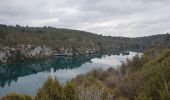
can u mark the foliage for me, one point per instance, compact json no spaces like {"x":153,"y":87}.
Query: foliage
{"x":57,"y":37}
{"x":70,"y":92}
{"x":94,"y":93}
{"x":150,"y":77}
{"x":88,"y":88}
{"x":14,"y":96}
{"x":51,"y":90}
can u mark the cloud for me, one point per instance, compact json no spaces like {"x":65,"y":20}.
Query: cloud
{"x":108,"y":17}
{"x":41,"y":22}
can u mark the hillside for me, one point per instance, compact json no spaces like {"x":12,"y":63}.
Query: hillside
{"x":21,"y":43}
{"x":56,"y":38}
{"x":11,"y":35}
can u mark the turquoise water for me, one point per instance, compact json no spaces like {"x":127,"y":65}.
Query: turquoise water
{"x":26,"y":77}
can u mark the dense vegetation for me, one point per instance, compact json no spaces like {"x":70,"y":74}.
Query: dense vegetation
{"x":145,"y":77}
{"x":56,"y":38}
{"x":10,"y":35}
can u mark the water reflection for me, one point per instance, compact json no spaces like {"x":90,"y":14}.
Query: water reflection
{"x":11,"y":72}
{"x":26,"y":77}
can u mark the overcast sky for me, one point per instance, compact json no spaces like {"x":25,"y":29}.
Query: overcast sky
{"x":108,"y":17}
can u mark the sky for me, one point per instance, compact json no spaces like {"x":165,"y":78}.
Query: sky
{"x":131,"y":18}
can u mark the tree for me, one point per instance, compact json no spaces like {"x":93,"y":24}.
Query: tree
{"x":17,"y":25}
{"x":51,"y":90}
{"x":70,"y":91}
{"x":3,"y":33}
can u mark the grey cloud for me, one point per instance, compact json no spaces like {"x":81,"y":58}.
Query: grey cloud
{"x":107,"y":17}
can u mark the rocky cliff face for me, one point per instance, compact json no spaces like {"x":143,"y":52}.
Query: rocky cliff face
{"x":22,"y":52}
{"x":77,"y":51}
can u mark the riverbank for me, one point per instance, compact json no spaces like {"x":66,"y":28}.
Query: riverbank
{"x":33,"y":73}
{"x":25,"y":52}
{"x":144,"y":77}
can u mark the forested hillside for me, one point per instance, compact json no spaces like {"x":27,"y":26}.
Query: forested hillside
{"x":21,"y":43}
{"x":11,"y":35}
{"x":56,"y":38}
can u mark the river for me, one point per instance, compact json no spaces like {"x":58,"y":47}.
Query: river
{"x":26,"y":77}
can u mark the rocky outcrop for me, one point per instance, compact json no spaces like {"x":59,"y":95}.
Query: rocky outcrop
{"x":36,"y":51}
{"x":3,"y":57}
{"x":22,"y":52}
{"x":76,"y":51}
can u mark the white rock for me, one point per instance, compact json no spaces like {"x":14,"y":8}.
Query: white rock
{"x":3,"y":57}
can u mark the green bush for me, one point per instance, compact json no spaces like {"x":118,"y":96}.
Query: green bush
{"x":70,"y":91}
{"x":14,"y":96}
{"x":51,"y":90}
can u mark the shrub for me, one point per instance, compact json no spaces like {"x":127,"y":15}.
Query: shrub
{"x":70,"y":91}
{"x":51,"y":90}
{"x":14,"y":96}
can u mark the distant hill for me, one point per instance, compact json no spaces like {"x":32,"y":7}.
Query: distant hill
{"x":56,"y":37}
